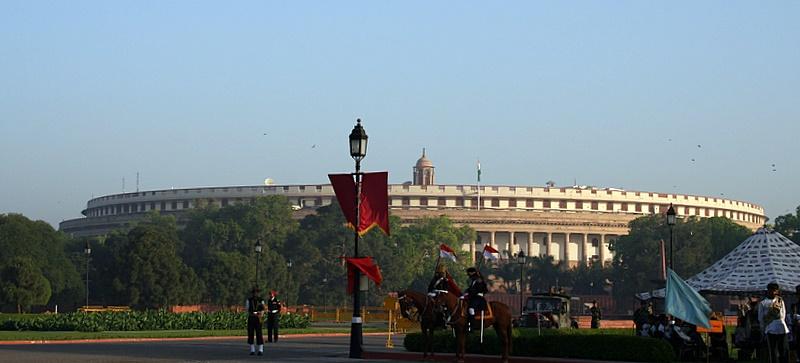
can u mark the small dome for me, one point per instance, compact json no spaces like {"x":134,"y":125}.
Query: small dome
{"x":424,"y":162}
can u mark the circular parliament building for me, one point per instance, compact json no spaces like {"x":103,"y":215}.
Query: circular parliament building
{"x":571,"y":224}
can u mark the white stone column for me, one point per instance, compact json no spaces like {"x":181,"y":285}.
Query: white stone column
{"x":584,"y":247}
{"x":472,"y":248}
{"x":566,"y":249}
{"x":601,"y":251}
{"x":547,"y":244}
{"x":529,"y":244}
{"x":491,"y":240}
{"x":510,"y":244}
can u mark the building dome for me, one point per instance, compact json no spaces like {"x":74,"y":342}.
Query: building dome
{"x":423,"y":161}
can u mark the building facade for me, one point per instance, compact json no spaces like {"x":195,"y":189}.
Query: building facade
{"x":571,"y":224}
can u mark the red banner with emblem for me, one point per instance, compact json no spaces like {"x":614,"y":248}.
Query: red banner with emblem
{"x":374,"y":206}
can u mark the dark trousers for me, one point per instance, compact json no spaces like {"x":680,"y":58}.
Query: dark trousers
{"x":273,"y":321}
{"x":254,"y":326}
{"x":778,"y":346}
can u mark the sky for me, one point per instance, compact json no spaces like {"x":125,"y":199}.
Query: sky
{"x":675,"y":96}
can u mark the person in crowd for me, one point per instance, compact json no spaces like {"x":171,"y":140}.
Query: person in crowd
{"x":254,"y":305}
{"x":772,"y":319}
{"x":597,"y":314}
{"x":273,"y":316}
{"x":474,"y":295}
{"x":641,"y":316}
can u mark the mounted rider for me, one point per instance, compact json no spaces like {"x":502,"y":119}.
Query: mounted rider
{"x":439,"y":281}
{"x":474,"y":295}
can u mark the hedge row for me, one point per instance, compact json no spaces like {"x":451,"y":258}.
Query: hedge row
{"x":556,"y":343}
{"x":142,"y":320}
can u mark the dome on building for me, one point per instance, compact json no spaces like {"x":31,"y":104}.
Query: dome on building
{"x":423,"y":161}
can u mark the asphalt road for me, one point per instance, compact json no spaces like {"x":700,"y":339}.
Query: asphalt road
{"x":288,"y":349}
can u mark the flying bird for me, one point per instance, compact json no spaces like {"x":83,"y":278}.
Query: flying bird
{"x":698,"y":145}
{"x":314,"y":146}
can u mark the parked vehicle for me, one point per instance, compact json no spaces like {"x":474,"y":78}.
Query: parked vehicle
{"x":546,"y":310}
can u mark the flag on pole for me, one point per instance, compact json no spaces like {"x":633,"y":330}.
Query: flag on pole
{"x":447,"y":252}
{"x":685,"y":303}
{"x":367,"y":266}
{"x":489,"y":252}
{"x":374,"y":206}
{"x":479,"y":170}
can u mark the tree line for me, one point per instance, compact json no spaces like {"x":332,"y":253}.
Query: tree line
{"x":209,"y":257}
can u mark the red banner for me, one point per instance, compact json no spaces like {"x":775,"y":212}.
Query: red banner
{"x":367,"y":267}
{"x":374,"y":207}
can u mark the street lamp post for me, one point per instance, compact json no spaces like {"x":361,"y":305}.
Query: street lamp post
{"x":87,"y":251}
{"x":671,"y":223}
{"x":289,"y":265}
{"x":521,"y":259}
{"x":258,"y":259}
{"x":358,"y":150}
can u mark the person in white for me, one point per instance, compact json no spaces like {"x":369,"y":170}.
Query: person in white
{"x":772,"y":318}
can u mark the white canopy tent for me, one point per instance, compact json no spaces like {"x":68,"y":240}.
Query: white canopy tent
{"x":766,"y":256}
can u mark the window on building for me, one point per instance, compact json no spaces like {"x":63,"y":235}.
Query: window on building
{"x":495,"y":202}
{"x":562,"y":204}
{"x":406,"y":201}
{"x":423,"y":201}
{"x":163,"y":206}
{"x":512,"y":203}
{"x":529,"y":203}
{"x":546,"y":203}
{"x":624,"y":207}
{"x":610,"y":206}
{"x":459,"y":202}
{"x":224,"y":202}
{"x":594,"y":206}
{"x":174,"y":205}
{"x":579,"y":205}
{"x":595,"y":242}
{"x":442,"y":201}
{"x":638,"y":207}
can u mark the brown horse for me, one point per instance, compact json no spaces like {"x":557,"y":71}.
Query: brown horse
{"x":420,"y":307}
{"x":500,"y":320}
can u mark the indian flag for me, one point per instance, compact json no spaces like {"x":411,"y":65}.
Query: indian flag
{"x":447,"y":252}
{"x":489,"y":252}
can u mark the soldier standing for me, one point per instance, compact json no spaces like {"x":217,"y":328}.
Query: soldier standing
{"x":597,"y":314}
{"x":273,"y":316}
{"x":255,"y":310}
{"x":477,"y":287}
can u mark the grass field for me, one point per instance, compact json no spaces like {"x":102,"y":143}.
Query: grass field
{"x":75,"y":335}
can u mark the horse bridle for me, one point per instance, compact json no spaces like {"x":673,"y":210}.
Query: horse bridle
{"x":416,"y":315}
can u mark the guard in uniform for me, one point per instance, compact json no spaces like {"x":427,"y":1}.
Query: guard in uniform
{"x":273,"y":316}
{"x":475,"y":290}
{"x":439,"y":281}
{"x":255,"y":310}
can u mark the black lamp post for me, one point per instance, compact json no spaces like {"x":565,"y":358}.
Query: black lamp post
{"x":258,"y":259}
{"x":358,"y":150}
{"x":87,"y":251}
{"x":671,"y":223}
{"x":521,"y":259}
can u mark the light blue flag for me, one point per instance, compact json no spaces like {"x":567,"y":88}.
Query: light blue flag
{"x":685,"y":303}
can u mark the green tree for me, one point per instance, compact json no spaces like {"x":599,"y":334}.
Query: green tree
{"x":789,"y":225}
{"x":23,"y":284}
{"x":228,"y":235}
{"x":45,"y":248}
{"x":148,"y":271}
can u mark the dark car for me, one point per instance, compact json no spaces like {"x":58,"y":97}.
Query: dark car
{"x":546,"y":310}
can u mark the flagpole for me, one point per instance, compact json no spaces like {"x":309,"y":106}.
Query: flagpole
{"x":479,"y":185}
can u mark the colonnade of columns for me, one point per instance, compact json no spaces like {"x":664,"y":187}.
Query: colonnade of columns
{"x":572,"y":247}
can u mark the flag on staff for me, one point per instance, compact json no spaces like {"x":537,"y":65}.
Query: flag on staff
{"x":489,"y":252}
{"x":368,"y":268}
{"x":447,"y":252}
{"x":685,"y":303}
{"x":479,"y":170}
{"x":374,"y":206}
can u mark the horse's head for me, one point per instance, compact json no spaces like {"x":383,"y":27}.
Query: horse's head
{"x":408,"y":307}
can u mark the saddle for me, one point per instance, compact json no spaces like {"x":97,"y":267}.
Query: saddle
{"x":487,"y":314}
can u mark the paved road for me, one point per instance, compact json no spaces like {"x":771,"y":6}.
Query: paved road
{"x":289,"y":349}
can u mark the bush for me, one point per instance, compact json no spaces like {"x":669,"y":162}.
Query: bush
{"x":600,"y":344}
{"x":142,"y":320}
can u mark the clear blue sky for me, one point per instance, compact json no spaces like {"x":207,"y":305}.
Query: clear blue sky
{"x":613,"y":94}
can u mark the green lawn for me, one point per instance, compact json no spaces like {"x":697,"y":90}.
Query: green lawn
{"x":75,"y":335}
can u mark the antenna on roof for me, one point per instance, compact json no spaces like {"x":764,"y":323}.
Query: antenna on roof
{"x":137,"y":181}
{"x":123,"y":184}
